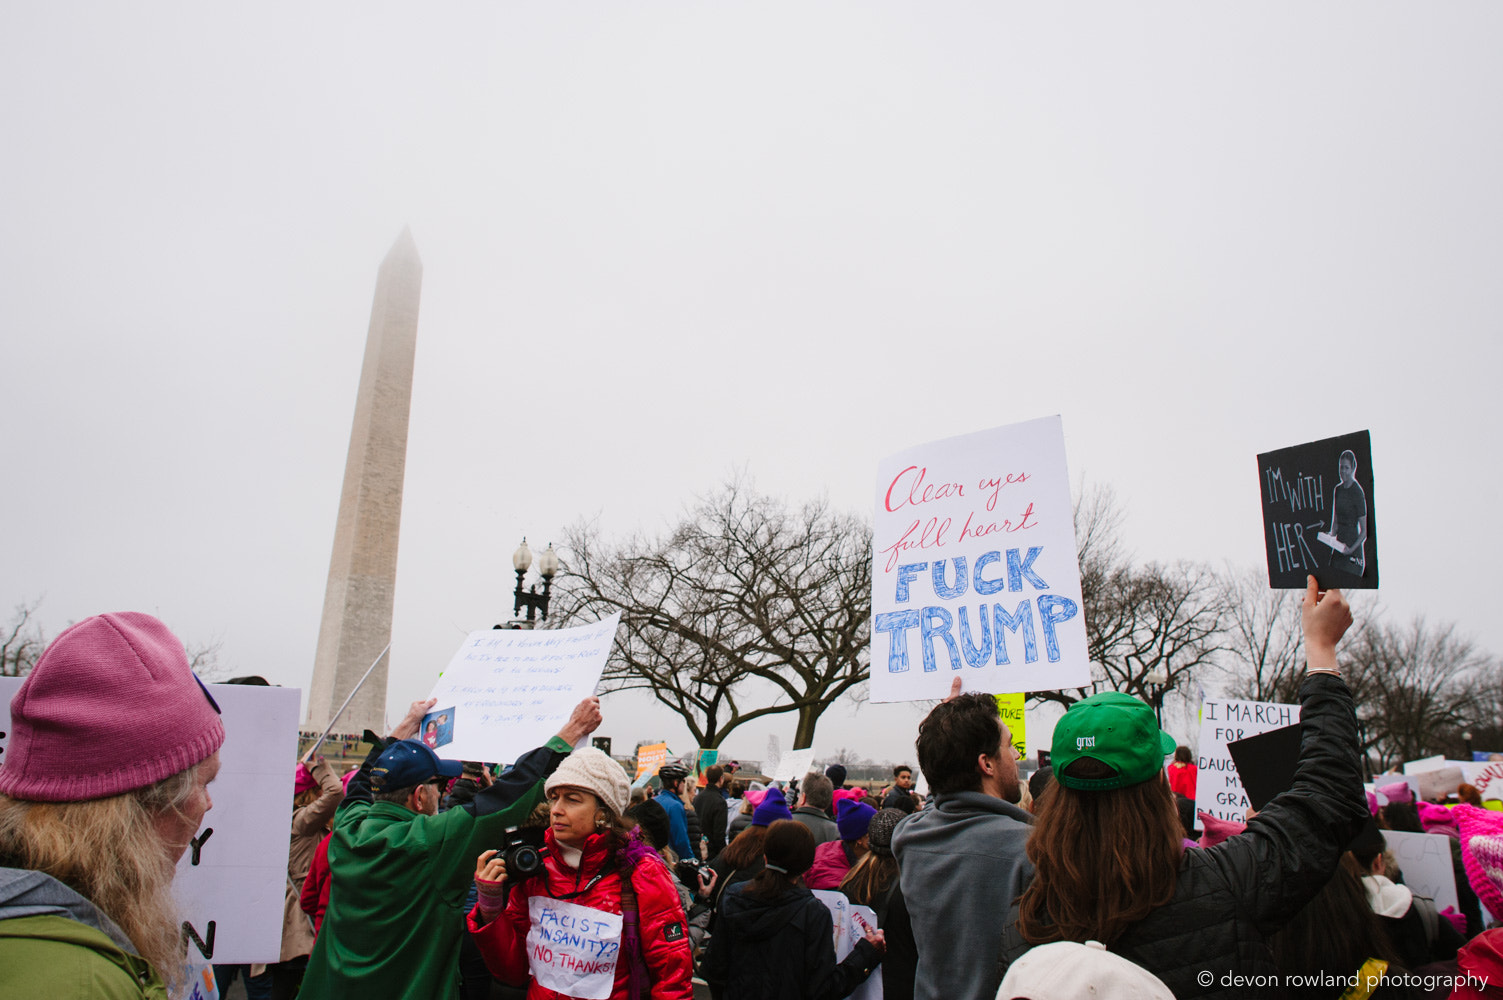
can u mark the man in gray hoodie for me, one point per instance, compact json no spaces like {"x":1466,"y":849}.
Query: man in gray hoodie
{"x":961,"y":861}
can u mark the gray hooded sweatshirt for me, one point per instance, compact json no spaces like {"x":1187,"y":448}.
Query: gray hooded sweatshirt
{"x":961,"y":865}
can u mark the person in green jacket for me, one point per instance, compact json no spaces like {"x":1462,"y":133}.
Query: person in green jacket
{"x":401,"y":870}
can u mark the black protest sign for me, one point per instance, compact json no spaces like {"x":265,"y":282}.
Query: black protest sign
{"x":1318,"y":516}
{"x":1266,"y":764}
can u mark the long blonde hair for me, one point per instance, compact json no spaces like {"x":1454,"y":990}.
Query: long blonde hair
{"x":109,"y":851}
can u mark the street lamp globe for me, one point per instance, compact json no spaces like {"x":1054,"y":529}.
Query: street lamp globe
{"x":522,"y":558}
{"x":548,"y":563}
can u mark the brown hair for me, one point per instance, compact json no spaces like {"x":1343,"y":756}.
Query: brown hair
{"x":952,"y":736}
{"x":108,"y":850}
{"x":790,"y":846}
{"x":746,"y":849}
{"x":1333,"y":933}
{"x":869,"y":878}
{"x":1104,"y":860}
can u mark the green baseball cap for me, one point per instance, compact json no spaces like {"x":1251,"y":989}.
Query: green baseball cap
{"x":1116,"y":729}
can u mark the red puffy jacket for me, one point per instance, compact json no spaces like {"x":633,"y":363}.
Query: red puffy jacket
{"x":664,"y":935}
{"x":315,"y":896}
{"x":831,"y":862}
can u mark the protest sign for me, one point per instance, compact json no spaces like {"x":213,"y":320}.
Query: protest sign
{"x":650,"y":758}
{"x":231,"y":882}
{"x":850,"y":922}
{"x":793,"y":764}
{"x":1425,"y":860}
{"x":572,"y":949}
{"x":511,"y":689}
{"x":1488,"y":779}
{"x":1218,"y":786}
{"x":974,"y":568}
{"x":1318,"y":515}
{"x":703,"y":761}
{"x":1266,"y":764}
{"x":1011,"y":707}
{"x":1424,"y":764}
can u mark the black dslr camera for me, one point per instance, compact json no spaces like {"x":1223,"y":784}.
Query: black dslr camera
{"x":688,"y":870}
{"x":522,"y":853}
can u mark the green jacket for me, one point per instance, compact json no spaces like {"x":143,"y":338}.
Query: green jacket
{"x":54,"y":943}
{"x":396,"y":907}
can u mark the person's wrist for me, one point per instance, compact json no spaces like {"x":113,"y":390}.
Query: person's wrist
{"x":1321,"y":659}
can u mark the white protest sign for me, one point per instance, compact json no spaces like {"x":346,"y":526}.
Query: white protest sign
{"x":1424,"y":764}
{"x":847,"y":919}
{"x":232,"y":881}
{"x":1425,"y":860}
{"x":794,"y":764}
{"x":1488,"y":779}
{"x":572,"y":949}
{"x":974,"y":569}
{"x":1218,"y":786}
{"x":508,"y":690}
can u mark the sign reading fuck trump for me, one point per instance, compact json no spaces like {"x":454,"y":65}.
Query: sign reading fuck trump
{"x":974,"y":571}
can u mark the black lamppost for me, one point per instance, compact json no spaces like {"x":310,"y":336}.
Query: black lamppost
{"x":535,"y":603}
{"x":1157,"y":682}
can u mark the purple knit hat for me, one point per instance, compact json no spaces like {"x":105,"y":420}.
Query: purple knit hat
{"x":111,"y":706}
{"x":853,"y":819}
{"x":772,"y":808}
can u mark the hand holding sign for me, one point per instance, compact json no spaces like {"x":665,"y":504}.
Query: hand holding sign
{"x":1325,"y":619}
{"x":584,"y":720}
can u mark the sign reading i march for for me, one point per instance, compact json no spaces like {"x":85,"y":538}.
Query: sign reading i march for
{"x":974,"y":569}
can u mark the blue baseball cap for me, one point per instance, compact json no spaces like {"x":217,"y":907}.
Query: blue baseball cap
{"x":409,"y":762}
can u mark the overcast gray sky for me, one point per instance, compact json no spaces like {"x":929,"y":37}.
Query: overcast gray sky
{"x":663,"y":242}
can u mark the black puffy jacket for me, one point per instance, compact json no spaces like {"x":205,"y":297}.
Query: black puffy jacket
{"x":780,"y":949}
{"x":1231,"y":897}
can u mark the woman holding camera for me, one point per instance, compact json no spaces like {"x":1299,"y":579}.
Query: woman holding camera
{"x":602,"y":918}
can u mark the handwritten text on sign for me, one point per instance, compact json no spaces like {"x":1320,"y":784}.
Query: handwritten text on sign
{"x":1218,"y":786}
{"x":514,"y":688}
{"x":974,"y":567}
{"x":572,"y":949}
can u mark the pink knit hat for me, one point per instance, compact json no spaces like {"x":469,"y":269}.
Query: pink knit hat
{"x":1482,"y":853}
{"x":111,"y":706}
{"x":1437,"y":819}
{"x":1214,"y":829}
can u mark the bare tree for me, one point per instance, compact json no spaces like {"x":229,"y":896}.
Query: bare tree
{"x":203,"y":660}
{"x":746,"y":608}
{"x":1264,"y":642}
{"x":1414,"y":686}
{"x":21,"y":641}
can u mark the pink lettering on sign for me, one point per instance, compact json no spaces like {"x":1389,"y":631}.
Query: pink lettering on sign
{"x":980,"y":529}
{"x":908,"y":487}
{"x":931,"y":535}
{"x":992,"y":487}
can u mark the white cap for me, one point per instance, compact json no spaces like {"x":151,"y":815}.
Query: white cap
{"x":1067,"y":970}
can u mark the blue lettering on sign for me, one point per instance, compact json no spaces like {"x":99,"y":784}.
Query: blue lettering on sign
{"x":1021,"y":618}
{"x":980,"y":639}
{"x":950,"y":592}
{"x":937,"y":623}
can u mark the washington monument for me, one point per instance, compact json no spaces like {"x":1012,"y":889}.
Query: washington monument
{"x":358,"y":600}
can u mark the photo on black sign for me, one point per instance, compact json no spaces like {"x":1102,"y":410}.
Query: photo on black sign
{"x":1318,"y":515}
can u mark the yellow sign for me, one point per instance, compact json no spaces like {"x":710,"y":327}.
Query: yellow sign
{"x":1011,"y":706}
{"x":651,"y":757}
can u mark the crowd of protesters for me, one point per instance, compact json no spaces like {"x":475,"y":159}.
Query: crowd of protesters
{"x":416,"y":876}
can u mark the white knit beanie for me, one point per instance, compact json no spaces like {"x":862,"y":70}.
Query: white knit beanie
{"x":594,"y":771}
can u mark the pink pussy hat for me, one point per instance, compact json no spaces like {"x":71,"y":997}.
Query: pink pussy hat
{"x":111,"y":706}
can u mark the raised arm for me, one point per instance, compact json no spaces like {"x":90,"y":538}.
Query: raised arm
{"x":1291,"y":847}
